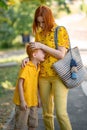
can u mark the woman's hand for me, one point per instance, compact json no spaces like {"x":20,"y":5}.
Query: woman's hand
{"x":24,"y":62}
{"x":36,"y":45}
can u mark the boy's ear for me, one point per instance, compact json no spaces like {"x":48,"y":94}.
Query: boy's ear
{"x":34,"y":54}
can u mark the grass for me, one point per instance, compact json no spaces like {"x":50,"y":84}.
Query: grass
{"x":8,"y":77}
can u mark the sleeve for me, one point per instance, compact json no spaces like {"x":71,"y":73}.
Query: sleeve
{"x":63,"y":38}
{"x":23,"y":72}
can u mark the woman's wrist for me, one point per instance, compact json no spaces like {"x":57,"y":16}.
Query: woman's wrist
{"x":42,"y":46}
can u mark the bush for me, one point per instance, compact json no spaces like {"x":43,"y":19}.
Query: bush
{"x":83,"y":7}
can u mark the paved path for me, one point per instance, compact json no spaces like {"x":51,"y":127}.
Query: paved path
{"x":77,"y":31}
{"x":7,"y":54}
{"x":77,"y":109}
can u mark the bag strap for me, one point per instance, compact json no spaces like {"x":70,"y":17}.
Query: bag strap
{"x":72,"y":62}
{"x":56,"y":38}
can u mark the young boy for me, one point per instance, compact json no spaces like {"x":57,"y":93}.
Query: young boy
{"x":26,"y":92}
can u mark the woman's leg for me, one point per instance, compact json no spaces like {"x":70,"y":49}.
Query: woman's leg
{"x":60,"y":100}
{"x":47,"y":102}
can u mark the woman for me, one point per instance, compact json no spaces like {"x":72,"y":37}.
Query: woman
{"x":52,"y":90}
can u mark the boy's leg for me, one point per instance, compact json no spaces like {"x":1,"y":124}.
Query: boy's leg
{"x":30,"y":128}
{"x":21,"y":118}
{"x":47,"y":102}
{"x":33,"y":118}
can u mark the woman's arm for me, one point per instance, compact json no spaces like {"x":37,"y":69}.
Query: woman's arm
{"x":59,"y":54}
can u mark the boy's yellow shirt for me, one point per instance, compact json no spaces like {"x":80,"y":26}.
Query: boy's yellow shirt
{"x":30,"y":75}
{"x":63,"y":40}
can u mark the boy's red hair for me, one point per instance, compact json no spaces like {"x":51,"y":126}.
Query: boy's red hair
{"x":29,"y":50}
{"x":47,"y":15}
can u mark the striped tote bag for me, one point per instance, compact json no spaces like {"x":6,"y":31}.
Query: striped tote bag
{"x":63,"y":66}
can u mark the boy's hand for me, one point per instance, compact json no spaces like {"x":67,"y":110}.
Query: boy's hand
{"x":23,"y":105}
{"x":39,"y":103}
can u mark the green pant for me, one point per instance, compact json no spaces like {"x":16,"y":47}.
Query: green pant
{"x":54,"y":93}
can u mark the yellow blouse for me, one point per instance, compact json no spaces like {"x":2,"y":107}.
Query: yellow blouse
{"x":30,"y":75}
{"x":63,"y":40}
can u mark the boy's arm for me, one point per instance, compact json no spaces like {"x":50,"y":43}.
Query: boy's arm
{"x":21,"y":94}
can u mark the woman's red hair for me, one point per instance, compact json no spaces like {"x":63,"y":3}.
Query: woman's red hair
{"x":47,"y":15}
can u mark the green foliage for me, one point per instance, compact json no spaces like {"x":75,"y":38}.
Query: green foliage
{"x":25,"y":14}
{"x":62,"y":6}
{"x":83,"y":7}
{"x":3,"y":7}
{"x":6,"y":35}
{"x":35,"y":1}
{"x":24,"y":17}
{"x":3,"y":4}
{"x":7,"y":32}
{"x":18,"y":19}
{"x":43,"y":1}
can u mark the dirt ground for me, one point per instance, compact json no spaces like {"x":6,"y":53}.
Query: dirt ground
{"x":6,"y":106}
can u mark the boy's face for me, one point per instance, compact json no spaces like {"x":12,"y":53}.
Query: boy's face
{"x":40,"y":55}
